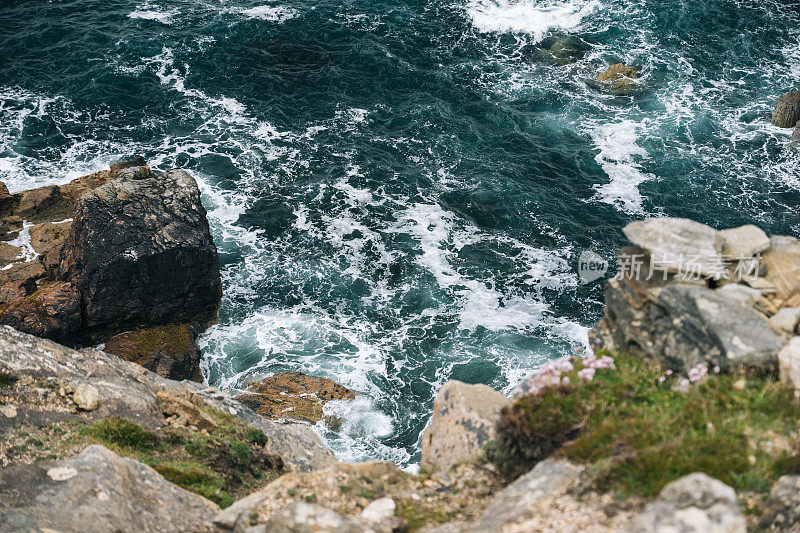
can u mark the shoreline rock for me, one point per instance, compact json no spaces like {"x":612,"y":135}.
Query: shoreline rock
{"x":787,"y":110}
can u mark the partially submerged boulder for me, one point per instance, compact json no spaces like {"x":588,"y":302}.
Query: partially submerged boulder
{"x":293,"y":395}
{"x":140,"y":253}
{"x":464,"y":418}
{"x":696,"y":502}
{"x":787,"y":111}
{"x":618,"y":76}
{"x":170,"y":351}
{"x":96,"y":491}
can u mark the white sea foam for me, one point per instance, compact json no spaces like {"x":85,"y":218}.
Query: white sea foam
{"x":270,"y":13}
{"x":529,"y":16}
{"x":164,"y":17}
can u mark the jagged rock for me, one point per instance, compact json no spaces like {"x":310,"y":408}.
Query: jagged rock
{"x":20,"y":280}
{"x":141,"y":254}
{"x":307,"y":517}
{"x":137,"y":161}
{"x":789,"y":363}
{"x":693,"y":503}
{"x":52,"y":312}
{"x":675,"y":242}
{"x":293,"y":395}
{"x":785,"y":320}
{"x":783,"y":265}
{"x":96,"y":491}
{"x":185,"y":407}
{"x":463,"y":421}
{"x":743,"y":242}
{"x":169,"y":351}
{"x":782,"y":508}
{"x":618,"y":76}
{"x":47,"y":239}
{"x":787,"y":112}
{"x":43,"y":204}
{"x":685,"y":325}
{"x":86,"y":397}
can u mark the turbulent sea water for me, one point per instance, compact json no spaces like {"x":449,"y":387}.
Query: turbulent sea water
{"x":400,"y":190}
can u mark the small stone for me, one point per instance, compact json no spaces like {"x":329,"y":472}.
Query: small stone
{"x":379,"y":510}
{"x":61,"y":473}
{"x":86,"y":397}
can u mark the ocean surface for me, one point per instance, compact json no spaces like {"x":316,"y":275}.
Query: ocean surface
{"x":399,"y":190}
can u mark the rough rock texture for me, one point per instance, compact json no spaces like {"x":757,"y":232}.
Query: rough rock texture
{"x":140,"y":253}
{"x":293,"y":395}
{"x":169,"y":351}
{"x":463,"y":421}
{"x":787,"y":112}
{"x":783,"y":265}
{"x":785,"y":320}
{"x":618,"y":76}
{"x":51,"y":312}
{"x":308,"y":517}
{"x":782,"y":508}
{"x":96,"y":491}
{"x":129,"y":391}
{"x":693,"y":503}
{"x":789,"y":363}
{"x":671,"y":243}
{"x":686,"y":325}
{"x":744,"y":241}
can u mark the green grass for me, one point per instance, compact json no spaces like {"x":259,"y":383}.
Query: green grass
{"x":198,"y":479}
{"x":637,"y":435}
{"x":124,"y":434}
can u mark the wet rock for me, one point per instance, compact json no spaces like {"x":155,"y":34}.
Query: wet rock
{"x":785,"y":320}
{"x":673,"y":242}
{"x":464,"y":418}
{"x":783,"y":265}
{"x":52,"y":312}
{"x":782,"y":508}
{"x":684,"y":325}
{"x":96,"y":491}
{"x":86,"y":397}
{"x":293,"y":395}
{"x":695,"y":502}
{"x":789,"y":363}
{"x":787,"y":111}
{"x":137,"y":161}
{"x":618,"y":76}
{"x":169,"y":351}
{"x":743,"y":242}
{"x":140,"y":253}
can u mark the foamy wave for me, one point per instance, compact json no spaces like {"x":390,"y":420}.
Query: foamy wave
{"x":528,"y":16}
{"x":149,"y":11}
{"x":271,"y":13}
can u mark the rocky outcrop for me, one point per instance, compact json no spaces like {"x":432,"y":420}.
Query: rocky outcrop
{"x":293,"y":395}
{"x":787,"y":111}
{"x":695,"y":502}
{"x":140,"y":253}
{"x":687,"y":294}
{"x":464,"y":418}
{"x":47,"y":376}
{"x":618,"y":76}
{"x":170,"y":351}
{"x":97,"y":491}
{"x":782,"y":508}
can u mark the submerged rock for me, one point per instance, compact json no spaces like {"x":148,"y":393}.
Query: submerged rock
{"x":464,"y":418}
{"x":140,"y":253}
{"x":618,"y":76}
{"x":293,"y":395}
{"x":169,"y":351}
{"x":97,"y":491}
{"x":696,"y":502}
{"x":787,"y":111}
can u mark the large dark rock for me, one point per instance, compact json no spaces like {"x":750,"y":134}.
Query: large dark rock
{"x":787,"y":112}
{"x":170,"y":351}
{"x":141,"y":254}
{"x":52,"y":312}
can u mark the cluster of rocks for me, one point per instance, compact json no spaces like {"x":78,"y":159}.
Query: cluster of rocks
{"x":787,"y":114}
{"x":124,"y":249}
{"x":690,"y":295}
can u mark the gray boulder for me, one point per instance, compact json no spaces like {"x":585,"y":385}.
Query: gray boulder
{"x":696,"y":503}
{"x":743,"y":242}
{"x":141,"y":254}
{"x":783,"y":265}
{"x":787,"y":112}
{"x":307,"y":518}
{"x":463,"y":421}
{"x":675,"y":243}
{"x":782,"y":508}
{"x":97,"y":491}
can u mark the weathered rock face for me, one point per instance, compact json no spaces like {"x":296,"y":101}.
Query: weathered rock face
{"x":744,"y":241}
{"x":787,"y":112}
{"x":464,"y":418}
{"x":695,"y":502}
{"x":96,"y":491}
{"x":782,"y":512}
{"x":783,"y":265}
{"x":126,"y":390}
{"x":301,"y":517}
{"x":140,"y":253}
{"x":52,"y":312}
{"x":169,"y":351}
{"x":293,"y":395}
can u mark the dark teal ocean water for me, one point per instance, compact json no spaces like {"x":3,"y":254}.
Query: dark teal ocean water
{"x":399,"y":190}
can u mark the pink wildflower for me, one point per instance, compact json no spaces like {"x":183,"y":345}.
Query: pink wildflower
{"x":661,"y":379}
{"x":565,"y":380}
{"x":668,"y":372}
{"x":586,"y":374}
